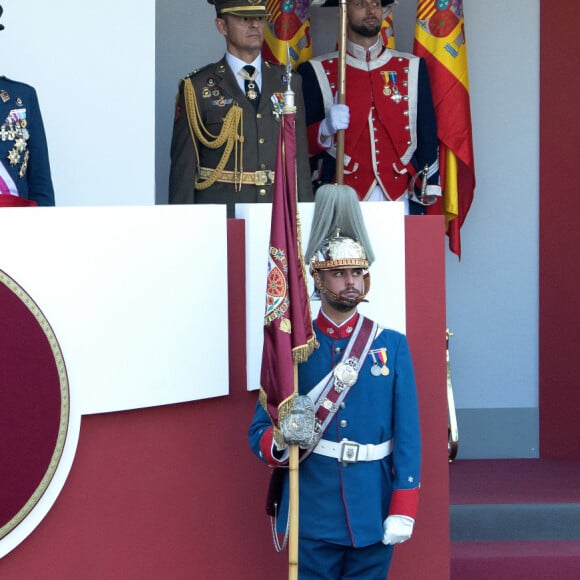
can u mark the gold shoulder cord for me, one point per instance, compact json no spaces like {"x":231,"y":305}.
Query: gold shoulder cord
{"x":231,"y":134}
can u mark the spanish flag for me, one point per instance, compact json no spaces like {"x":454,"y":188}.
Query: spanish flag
{"x":289,"y":24}
{"x":440,"y":40}
{"x":387,"y":29}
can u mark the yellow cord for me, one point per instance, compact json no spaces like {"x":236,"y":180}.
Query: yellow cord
{"x":231,"y":135}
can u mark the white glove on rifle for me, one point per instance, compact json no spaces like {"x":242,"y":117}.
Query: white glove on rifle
{"x":337,"y":118}
{"x":398,"y":529}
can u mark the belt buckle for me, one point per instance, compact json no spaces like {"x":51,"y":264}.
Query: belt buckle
{"x":349,"y":452}
{"x":263,"y":177}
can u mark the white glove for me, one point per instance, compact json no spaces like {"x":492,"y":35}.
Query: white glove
{"x":398,"y":529}
{"x":337,"y":118}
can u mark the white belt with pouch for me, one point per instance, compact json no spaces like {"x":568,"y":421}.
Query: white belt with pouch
{"x":347,"y":451}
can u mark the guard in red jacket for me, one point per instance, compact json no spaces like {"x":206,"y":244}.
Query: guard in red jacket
{"x":391,"y":146}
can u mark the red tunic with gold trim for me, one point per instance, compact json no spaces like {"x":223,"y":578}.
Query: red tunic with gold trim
{"x":392,"y":131}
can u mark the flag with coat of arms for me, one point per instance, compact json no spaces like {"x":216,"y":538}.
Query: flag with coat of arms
{"x":440,"y":40}
{"x":289,"y":24}
{"x":288,"y":334}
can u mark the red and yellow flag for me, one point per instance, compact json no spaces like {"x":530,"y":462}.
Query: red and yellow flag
{"x":288,"y":332}
{"x":388,"y":30}
{"x":440,"y":40}
{"x":288,"y":25}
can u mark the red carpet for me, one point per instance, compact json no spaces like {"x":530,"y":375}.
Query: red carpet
{"x":513,"y":560}
{"x":514,"y":481}
{"x":505,"y":486}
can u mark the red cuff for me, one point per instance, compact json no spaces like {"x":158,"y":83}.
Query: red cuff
{"x":404,"y":502}
{"x":266,"y":446}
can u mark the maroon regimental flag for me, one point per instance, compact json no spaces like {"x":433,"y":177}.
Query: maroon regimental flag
{"x":288,"y":333}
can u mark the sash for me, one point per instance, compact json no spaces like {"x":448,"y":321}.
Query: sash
{"x":7,"y":185}
{"x":7,"y":200}
{"x":331,"y":391}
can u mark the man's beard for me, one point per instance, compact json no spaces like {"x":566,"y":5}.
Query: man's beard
{"x":343,"y":305}
{"x":367,"y":31}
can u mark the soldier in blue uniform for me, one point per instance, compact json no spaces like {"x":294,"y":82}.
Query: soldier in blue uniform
{"x":24,"y":167}
{"x":359,"y":476}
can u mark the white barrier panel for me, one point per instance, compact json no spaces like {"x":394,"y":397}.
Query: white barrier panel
{"x":386,"y":228}
{"x":137,"y":299}
{"x":98,"y":105}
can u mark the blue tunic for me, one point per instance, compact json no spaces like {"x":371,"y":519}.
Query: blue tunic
{"x":347,"y":504}
{"x":25,"y":169}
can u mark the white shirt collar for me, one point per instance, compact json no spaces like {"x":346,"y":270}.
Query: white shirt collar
{"x":237,"y":64}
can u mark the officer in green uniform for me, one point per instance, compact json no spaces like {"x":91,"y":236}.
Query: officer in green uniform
{"x":227,"y":118}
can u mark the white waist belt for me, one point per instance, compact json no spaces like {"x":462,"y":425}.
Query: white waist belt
{"x":350,"y":451}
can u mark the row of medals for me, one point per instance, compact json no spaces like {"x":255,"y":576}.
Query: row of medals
{"x":209,"y":91}
{"x":391,"y":89}
{"x":17,"y":131}
{"x":379,"y":356}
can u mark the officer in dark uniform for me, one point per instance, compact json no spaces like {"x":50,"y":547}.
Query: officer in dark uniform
{"x":227,"y":118}
{"x":24,"y":167}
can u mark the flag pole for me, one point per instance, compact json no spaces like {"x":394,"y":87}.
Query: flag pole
{"x":294,"y":459}
{"x":341,"y":94}
{"x":293,"y":475}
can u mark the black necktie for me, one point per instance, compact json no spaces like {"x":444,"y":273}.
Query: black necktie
{"x":252,"y":90}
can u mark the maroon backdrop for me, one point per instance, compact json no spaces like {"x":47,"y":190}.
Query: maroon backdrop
{"x":559,"y":332}
{"x":174,"y":492}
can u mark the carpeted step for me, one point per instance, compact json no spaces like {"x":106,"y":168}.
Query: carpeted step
{"x":534,"y":560}
{"x":515,"y":518}
{"x":515,"y":522}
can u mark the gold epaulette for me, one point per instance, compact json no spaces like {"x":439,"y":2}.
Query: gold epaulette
{"x":196,"y":71}
{"x":231,"y":135}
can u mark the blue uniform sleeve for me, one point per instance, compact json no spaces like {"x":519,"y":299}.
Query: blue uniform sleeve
{"x":406,"y":429}
{"x":312,"y":94}
{"x":427,"y":141}
{"x":39,"y":179}
{"x":260,"y":426}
